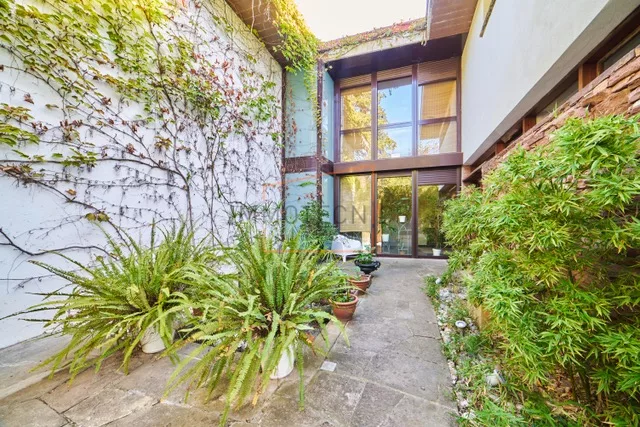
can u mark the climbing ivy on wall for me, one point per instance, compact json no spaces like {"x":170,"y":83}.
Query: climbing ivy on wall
{"x":156,"y":99}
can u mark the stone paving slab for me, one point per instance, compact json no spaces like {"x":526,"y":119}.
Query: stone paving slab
{"x":17,"y":363}
{"x":393,"y":374}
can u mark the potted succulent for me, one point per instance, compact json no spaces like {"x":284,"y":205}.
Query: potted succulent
{"x":365,"y":262}
{"x":360,"y":281}
{"x":344,"y":305}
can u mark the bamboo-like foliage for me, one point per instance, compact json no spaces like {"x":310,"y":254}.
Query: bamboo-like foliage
{"x":263,"y":309}
{"x":113,"y":302}
{"x":551,"y":246}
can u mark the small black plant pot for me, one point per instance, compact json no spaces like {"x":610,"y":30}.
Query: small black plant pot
{"x":368,"y":268}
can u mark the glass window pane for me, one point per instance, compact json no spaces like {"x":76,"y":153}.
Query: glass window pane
{"x":394,"y":215}
{"x":431,"y":200}
{"x":437,"y":100}
{"x":438,"y":138}
{"x":394,"y":101}
{"x":355,"y":207}
{"x":355,"y":145}
{"x":394,"y":142}
{"x":356,"y":108}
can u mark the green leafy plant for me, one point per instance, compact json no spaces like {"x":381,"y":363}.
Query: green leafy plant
{"x":315,"y":231}
{"x":364,"y":257}
{"x":550,"y":243}
{"x":343,"y":296}
{"x":265,"y":308}
{"x":113,"y":302}
{"x":356,"y":274}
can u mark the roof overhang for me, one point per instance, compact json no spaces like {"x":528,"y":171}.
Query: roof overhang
{"x":438,"y":36}
{"x":445,"y":20}
{"x":260,"y":18}
{"x":396,"y":57}
{"x":448,"y":17}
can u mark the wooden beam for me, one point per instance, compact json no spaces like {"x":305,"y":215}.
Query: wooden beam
{"x":528,"y":122}
{"x":398,"y":164}
{"x":499,"y":147}
{"x":587,"y":72}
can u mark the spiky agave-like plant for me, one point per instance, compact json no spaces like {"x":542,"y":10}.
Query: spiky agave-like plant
{"x":264,"y":307}
{"x":113,"y":302}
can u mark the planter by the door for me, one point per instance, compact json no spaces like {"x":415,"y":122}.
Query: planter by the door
{"x":344,"y":310}
{"x":368,"y":268}
{"x":385,"y":238}
{"x":151,"y":341}
{"x":285,"y":365}
{"x":437,"y":252}
{"x":361,"y":283}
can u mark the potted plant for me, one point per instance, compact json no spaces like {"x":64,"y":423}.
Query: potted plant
{"x":344,"y":305}
{"x":388,"y":228}
{"x":124,"y":300}
{"x":360,"y":281}
{"x":255,"y":321}
{"x":366,"y":264}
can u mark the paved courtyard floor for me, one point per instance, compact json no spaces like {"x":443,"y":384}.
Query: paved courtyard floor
{"x":393,"y":374}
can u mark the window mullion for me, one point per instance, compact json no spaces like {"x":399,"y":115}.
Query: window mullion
{"x":374,"y":116}
{"x":414,"y":109}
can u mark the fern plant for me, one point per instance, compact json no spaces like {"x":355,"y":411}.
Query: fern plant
{"x":264,"y":308}
{"x":113,"y":302}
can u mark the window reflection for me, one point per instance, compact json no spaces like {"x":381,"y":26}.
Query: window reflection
{"x":355,"y":145}
{"x":355,"y":207}
{"x":394,"y":101}
{"x":437,"y":100}
{"x":431,"y":199}
{"x":356,"y":108}
{"x":395,"y":142}
{"x":438,"y":138}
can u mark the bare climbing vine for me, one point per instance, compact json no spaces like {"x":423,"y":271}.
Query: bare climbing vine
{"x":141,"y":110}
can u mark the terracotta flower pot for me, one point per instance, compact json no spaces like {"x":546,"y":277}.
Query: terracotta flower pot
{"x":344,"y":310}
{"x":362,"y":284}
{"x":369,"y":278}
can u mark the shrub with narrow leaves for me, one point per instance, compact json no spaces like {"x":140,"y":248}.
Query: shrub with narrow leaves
{"x":551,"y":247}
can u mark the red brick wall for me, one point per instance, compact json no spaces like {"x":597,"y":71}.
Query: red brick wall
{"x":616,"y":91}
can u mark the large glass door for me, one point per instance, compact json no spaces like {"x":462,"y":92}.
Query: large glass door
{"x":394,"y":233}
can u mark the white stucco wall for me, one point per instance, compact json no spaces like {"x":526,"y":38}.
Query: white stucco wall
{"x":527,"y":48}
{"x":37,"y":219}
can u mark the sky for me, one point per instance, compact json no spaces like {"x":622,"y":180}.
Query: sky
{"x":332,"y":19}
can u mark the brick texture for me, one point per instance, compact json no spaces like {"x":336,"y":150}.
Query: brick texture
{"x":616,"y":91}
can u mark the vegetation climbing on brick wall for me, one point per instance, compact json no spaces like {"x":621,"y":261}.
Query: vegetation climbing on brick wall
{"x":549,"y":247}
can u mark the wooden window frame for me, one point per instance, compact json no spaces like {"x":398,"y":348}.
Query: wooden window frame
{"x":415,"y":122}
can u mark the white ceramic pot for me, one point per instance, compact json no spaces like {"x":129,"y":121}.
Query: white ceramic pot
{"x":385,"y":238}
{"x":437,"y":252}
{"x":402,"y":219}
{"x":151,"y":341}
{"x":285,"y":365}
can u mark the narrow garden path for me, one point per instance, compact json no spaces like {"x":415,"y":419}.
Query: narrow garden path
{"x":393,"y":374}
